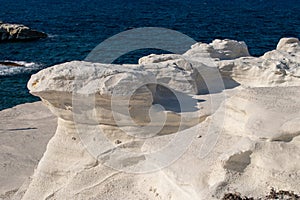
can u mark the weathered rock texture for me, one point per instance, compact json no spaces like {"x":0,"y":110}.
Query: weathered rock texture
{"x":279,"y":67}
{"x":25,"y":131}
{"x":220,"y":49}
{"x":18,"y":32}
{"x":246,"y":142}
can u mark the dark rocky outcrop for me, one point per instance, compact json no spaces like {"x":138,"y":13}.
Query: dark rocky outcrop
{"x":10,"y":64}
{"x":18,"y":32}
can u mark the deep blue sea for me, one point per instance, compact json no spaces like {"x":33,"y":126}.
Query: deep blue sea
{"x":76,"y":27}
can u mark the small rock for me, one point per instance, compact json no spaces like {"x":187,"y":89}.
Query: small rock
{"x":18,"y":32}
{"x":11,"y":64}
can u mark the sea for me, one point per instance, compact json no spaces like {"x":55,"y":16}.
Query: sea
{"x":75,"y":27}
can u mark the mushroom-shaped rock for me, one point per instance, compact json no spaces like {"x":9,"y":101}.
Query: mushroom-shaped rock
{"x":81,"y":83}
{"x":250,"y":138}
{"x":103,"y":111}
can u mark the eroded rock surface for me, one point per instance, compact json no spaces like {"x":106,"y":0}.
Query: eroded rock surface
{"x":279,"y":67}
{"x":220,"y":49}
{"x":25,"y":131}
{"x":241,"y":138}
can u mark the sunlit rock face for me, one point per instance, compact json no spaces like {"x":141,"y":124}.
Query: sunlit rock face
{"x":220,"y":49}
{"x":279,"y":67}
{"x":143,"y":131}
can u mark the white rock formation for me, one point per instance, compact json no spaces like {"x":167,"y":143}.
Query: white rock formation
{"x":153,"y":58}
{"x":24,"y":133}
{"x":247,"y":143}
{"x":264,"y":121}
{"x":279,"y":67}
{"x":219,"y":49}
{"x":173,"y":71}
{"x":202,"y":61}
{"x":288,"y":45}
{"x":249,"y":102}
{"x":68,"y":91}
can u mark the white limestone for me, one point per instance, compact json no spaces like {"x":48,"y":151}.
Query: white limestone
{"x":279,"y":67}
{"x":25,"y":131}
{"x":247,"y":142}
{"x":219,"y":49}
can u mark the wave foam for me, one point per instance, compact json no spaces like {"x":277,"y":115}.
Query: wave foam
{"x":12,"y":68}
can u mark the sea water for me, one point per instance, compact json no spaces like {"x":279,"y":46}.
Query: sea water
{"x":75,"y":27}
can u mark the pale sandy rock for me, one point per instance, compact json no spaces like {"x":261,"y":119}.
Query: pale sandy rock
{"x":24,"y":133}
{"x":109,"y":85}
{"x":288,"y":44}
{"x":83,"y":77}
{"x":174,"y":71}
{"x":249,"y":156}
{"x":105,"y":83}
{"x":153,"y":58}
{"x":63,"y":158}
{"x":275,"y":68}
{"x":220,"y":49}
{"x":258,"y":118}
{"x":255,"y":110}
{"x":200,"y":63}
{"x":187,"y":73}
{"x":244,"y":164}
{"x":177,"y":75}
{"x":247,"y":142}
{"x":66,"y":90}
